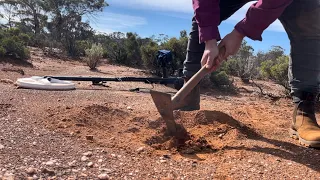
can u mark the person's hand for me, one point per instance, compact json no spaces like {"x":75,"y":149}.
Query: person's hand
{"x":232,"y":43}
{"x":209,"y":56}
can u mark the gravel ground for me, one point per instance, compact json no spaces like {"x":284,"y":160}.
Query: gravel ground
{"x":103,"y":132}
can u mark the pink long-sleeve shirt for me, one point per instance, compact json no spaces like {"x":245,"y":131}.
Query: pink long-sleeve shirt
{"x":259,"y":16}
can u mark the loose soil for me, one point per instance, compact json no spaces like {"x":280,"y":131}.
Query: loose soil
{"x":111,"y":130}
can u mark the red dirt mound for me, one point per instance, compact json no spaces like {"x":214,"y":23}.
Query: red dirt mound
{"x":199,"y":131}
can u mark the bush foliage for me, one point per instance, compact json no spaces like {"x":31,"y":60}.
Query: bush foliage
{"x":94,"y":54}
{"x":276,"y":70}
{"x":13,"y":43}
{"x":58,"y":27}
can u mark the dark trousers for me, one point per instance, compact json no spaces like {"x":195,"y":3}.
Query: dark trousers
{"x":301,"y":20}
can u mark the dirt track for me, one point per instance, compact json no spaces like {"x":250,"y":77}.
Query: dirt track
{"x":122,"y":135}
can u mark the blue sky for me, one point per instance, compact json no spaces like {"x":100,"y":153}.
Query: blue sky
{"x":153,"y":17}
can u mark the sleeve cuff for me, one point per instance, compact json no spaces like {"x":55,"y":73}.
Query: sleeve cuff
{"x":248,"y":30}
{"x":208,"y":33}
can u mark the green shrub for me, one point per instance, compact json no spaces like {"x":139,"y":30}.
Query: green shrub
{"x":14,"y":31}
{"x":15,"y":48}
{"x":81,"y":47}
{"x":220,"y":79}
{"x":148,"y":53}
{"x":25,"y":38}
{"x":2,"y":51}
{"x":13,"y":43}
{"x":105,"y":53}
{"x":277,"y":71}
{"x":94,"y":55}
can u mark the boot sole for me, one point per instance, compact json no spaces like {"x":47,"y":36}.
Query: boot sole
{"x":295,"y":135}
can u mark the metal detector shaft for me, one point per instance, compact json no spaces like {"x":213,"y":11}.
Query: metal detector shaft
{"x":96,"y":80}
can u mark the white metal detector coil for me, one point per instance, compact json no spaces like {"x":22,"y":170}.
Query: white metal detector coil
{"x":44,"y":83}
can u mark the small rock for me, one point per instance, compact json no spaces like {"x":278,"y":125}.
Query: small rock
{"x":34,"y":143}
{"x":163,"y":161}
{"x":88,"y":154}
{"x":48,"y":171}
{"x":167,"y":156}
{"x":90,"y":164}
{"x":103,"y":176}
{"x":50,"y":163}
{"x":84,"y":158}
{"x":89,"y":137}
{"x":73,"y":163}
{"x":129,"y":108}
{"x":220,"y":136}
{"x":100,"y":161}
{"x":1,"y":146}
{"x":83,"y":175}
{"x":140,"y":150}
{"x":194,"y":164}
{"x":31,"y":171}
{"x":289,"y":163}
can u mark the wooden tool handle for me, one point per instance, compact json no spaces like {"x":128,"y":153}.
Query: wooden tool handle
{"x":186,"y":89}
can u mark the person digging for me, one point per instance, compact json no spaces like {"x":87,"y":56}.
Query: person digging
{"x":301,"y":21}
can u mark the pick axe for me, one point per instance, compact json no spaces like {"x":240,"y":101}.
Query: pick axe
{"x":165,"y":104}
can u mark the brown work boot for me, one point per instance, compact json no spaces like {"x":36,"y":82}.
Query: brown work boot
{"x":304,"y":125}
{"x":192,"y":101}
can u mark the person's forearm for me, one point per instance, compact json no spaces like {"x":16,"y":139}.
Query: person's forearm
{"x":207,"y":15}
{"x":259,"y":17}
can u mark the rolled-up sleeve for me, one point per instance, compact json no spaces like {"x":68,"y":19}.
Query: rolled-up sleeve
{"x":260,"y":16}
{"x":207,"y":15}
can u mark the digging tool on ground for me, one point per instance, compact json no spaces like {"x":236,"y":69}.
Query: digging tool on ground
{"x":165,"y":104}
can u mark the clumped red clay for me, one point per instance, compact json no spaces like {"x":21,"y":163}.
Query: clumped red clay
{"x":198,"y":131}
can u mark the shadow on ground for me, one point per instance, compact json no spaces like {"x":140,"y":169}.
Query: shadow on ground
{"x":286,"y":150}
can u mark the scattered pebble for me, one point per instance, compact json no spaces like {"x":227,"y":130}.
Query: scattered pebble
{"x":88,"y":154}
{"x":31,"y":171}
{"x":163,"y":160}
{"x":89,"y":137}
{"x":167,"y":156}
{"x":140,"y":150}
{"x":48,"y":171}
{"x":103,"y":176}
{"x":1,"y":146}
{"x":90,"y":164}
{"x":194,"y":164}
{"x":50,"y":163}
{"x":84,"y":158}
{"x":72,"y":163}
{"x":129,"y":108}
{"x":100,"y":161}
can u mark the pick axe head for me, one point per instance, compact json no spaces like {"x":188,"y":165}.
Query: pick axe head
{"x":165,"y":103}
{"x":165,"y":108}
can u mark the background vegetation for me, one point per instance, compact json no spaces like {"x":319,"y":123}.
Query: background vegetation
{"x":57,"y":27}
